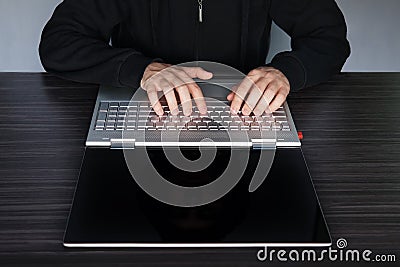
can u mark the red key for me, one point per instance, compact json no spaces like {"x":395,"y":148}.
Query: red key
{"x":300,"y":134}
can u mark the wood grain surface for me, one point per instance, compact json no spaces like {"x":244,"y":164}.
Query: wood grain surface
{"x":351,"y":128}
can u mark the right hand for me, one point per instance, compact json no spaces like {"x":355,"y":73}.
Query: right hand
{"x":165,"y":78}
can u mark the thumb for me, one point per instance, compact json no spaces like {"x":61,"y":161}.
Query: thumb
{"x":197,"y":72}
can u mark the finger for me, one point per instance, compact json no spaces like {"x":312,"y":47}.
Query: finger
{"x":197,"y":72}
{"x":198,"y":97}
{"x":254,"y":96}
{"x":241,"y":94}
{"x":279,"y":99}
{"x":186,"y":100}
{"x":268,"y":96}
{"x":154,"y":101}
{"x":271,"y":91}
{"x":194,"y":90}
{"x":230,"y":96}
{"x":180,"y":80}
{"x":171,"y":100}
{"x":261,"y":107}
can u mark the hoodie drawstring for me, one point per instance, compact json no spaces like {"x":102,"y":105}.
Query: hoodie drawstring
{"x":244,"y":33}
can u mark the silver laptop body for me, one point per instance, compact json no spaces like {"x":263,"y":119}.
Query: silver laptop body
{"x":116,"y":113}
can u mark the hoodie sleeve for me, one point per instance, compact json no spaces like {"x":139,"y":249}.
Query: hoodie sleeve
{"x":318,"y":39}
{"x":75,"y":44}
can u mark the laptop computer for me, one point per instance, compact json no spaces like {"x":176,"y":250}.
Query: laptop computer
{"x":110,"y":208}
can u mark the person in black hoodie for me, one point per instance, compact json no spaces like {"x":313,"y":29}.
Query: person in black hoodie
{"x":124,"y":43}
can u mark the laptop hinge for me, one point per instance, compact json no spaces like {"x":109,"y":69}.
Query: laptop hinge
{"x":261,"y":144}
{"x":122,"y":143}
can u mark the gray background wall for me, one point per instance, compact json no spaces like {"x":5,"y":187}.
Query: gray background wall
{"x":373,"y":33}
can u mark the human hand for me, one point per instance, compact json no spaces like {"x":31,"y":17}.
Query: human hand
{"x":168,"y":79}
{"x":263,"y":89}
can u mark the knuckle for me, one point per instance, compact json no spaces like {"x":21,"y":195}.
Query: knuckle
{"x":270,"y":75}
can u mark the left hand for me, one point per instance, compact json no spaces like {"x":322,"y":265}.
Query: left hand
{"x":263,"y":90}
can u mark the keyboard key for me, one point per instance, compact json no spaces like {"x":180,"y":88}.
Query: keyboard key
{"x":196,"y":120}
{"x":170,"y":125}
{"x":112,"y":115}
{"x":143,"y":119}
{"x":191,"y":125}
{"x":213,"y":114}
{"x":259,"y":119}
{"x":120,"y":124}
{"x":268,"y":119}
{"x":114,"y":105}
{"x":101,"y":116}
{"x":110,"y":124}
{"x":175,"y":119}
{"x":219,"y":109}
{"x":131,"y":125}
{"x":247,"y":119}
{"x":279,"y":114}
{"x":149,"y":125}
{"x":245,"y":126}
{"x":164,"y":118}
{"x":266,"y":115}
{"x":285,"y":126}
{"x":237,"y":119}
{"x":276,"y":126}
{"x":195,"y":115}
{"x":265,"y":125}
{"x":213,"y":125}
{"x":224,"y":125}
{"x":225,"y":114}
{"x":207,"y":119}
{"x":281,"y":119}
{"x":122,"y":115}
{"x":132,"y":105}
{"x":181,"y":125}
{"x":124,"y":104}
{"x":154,"y":119}
{"x":234,"y":125}
{"x":103,"y":106}
{"x":100,"y":124}
{"x":185,"y":119}
{"x":159,"y":125}
{"x":202,"y":125}
{"x":255,"y":126}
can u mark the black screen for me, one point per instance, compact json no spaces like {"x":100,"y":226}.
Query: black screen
{"x":110,"y":208}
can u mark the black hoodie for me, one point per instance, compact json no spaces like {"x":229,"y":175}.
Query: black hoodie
{"x":76,"y":41}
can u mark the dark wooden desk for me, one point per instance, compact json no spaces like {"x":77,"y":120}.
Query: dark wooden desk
{"x":351,"y":127}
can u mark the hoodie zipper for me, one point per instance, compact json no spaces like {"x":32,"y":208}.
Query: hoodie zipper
{"x":197,"y":32}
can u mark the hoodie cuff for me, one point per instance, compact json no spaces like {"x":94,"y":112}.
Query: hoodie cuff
{"x":292,"y":68}
{"x":131,"y":71}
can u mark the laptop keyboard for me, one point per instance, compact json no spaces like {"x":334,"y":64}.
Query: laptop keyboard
{"x":119,"y":116}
